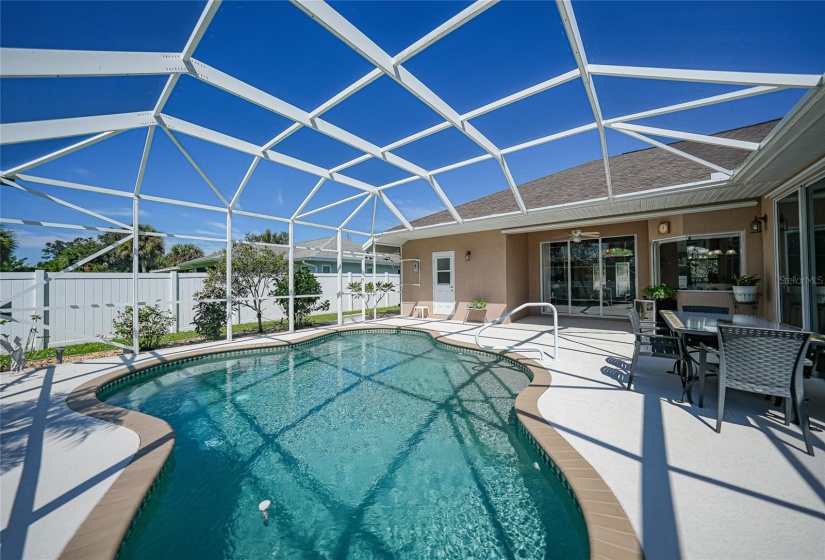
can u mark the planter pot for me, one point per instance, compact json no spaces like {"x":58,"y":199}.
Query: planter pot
{"x":668,"y":304}
{"x":744,"y":294}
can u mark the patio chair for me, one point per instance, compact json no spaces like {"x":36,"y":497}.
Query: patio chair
{"x":764,"y":361}
{"x":650,"y":343}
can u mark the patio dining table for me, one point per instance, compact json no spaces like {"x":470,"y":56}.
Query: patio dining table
{"x":686,"y":323}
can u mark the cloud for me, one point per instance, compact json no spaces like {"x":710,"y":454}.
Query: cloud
{"x":28,"y":240}
{"x":82,"y":171}
{"x":121,"y":212}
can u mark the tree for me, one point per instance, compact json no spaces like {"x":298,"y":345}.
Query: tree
{"x":379,"y":290}
{"x":268,"y":236}
{"x":8,"y":245}
{"x":58,"y":255}
{"x":306,"y":284}
{"x":254,"y":273}
{"x":180,"y":253}
{"x":150,"y":250}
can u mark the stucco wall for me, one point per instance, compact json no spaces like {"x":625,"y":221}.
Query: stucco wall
{"x":483,"y":276}
{"x":518,"y":281}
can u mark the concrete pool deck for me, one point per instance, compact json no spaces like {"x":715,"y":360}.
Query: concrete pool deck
{"x":749,"y":492}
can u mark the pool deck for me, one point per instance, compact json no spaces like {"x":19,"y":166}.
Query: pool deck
{"x":749,"y":492}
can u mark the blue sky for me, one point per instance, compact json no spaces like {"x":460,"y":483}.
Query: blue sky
{"x":277,"y":48}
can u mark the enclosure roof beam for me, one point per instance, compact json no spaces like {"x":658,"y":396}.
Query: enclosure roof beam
{"x":568,"y":18}
{"x":62,"y":202}
{"x":388,"y":203}
{"x":200,"y":28}
{"x":355,"y":212}
{"x":352,"y":36}
{"x":245,"y":181}
{"x":688,"y":136}
{"x":259,"y":97}
{"x":708,"y":76}
{"x":332,"y":205}
{"x":679,"y":153}
{"x":197,"y":168}
{"x":59,"y":153}
{"x":54,"y":63}
{"x":32,"y":131}
{"x":221,"y":139}
{"x":439,"y":33}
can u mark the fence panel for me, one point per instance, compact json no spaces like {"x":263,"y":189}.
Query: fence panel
{"x":84,"y":305}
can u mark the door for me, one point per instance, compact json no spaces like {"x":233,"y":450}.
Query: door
{"x":443,"y":283}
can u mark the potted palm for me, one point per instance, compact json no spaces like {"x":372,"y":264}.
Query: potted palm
{"x":744,"y":287}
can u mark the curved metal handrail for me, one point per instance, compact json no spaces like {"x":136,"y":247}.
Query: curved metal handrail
{"x":541,"y":352}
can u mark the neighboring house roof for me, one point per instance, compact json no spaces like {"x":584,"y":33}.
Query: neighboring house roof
{"x":630,"y":172}
{"x":314,"y":249}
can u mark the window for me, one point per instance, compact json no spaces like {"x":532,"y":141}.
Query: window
{"x":369,"y":270}
{"x":304,"y":268}
{"x":700,"y":263}
{"x":443,"y":270}
{"x":326,"y":269}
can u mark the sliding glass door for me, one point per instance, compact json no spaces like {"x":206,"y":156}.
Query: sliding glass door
{"x":594,"y":277}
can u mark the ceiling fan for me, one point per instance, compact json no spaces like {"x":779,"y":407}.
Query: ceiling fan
{"x":577,"y":235}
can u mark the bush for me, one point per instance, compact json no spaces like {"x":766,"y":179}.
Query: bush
{"x":305,"y":284}
{"x":210,"y":316}
{"x":153,"y":324}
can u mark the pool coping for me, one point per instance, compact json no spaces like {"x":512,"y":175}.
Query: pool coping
{"x":609,"y":531}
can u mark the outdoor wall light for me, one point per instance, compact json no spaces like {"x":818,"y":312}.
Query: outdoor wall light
{"x":756,"y":224}
{"x":467,"y":256}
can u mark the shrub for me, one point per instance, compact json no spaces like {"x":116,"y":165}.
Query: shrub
{"x":305,"y":284}
{"x":153,"y":324}
{"x":210,"y":316}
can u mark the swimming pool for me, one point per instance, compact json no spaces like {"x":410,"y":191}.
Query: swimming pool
{"x":368,"y":445}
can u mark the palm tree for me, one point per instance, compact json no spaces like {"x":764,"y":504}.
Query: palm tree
{"x":150,"y":249}
{"x":182,"y":252}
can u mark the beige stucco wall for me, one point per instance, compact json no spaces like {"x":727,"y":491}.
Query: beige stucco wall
{"x":518,"y":281}
{"x":483,"y":276}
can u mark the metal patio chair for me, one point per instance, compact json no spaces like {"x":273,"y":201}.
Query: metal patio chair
{"x":764,"y":361}
{"x":652,"y":344}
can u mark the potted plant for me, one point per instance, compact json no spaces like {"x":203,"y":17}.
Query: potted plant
{"x":479,"y":303}
{"x":744,"y":287}
{"x":660,"y":292}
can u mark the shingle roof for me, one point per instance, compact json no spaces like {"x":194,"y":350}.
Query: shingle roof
{"x":630,"y":172}
{"x":314,"y":249}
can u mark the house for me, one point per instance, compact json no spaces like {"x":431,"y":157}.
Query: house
{"x":317,"y":255}
{"x":667,"y":216}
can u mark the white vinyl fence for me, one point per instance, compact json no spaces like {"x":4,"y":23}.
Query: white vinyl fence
{"x":79,"y":306}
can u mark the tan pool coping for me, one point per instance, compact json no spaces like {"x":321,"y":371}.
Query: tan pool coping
{"x":610,"y":532}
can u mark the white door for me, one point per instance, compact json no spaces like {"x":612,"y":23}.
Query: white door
{"x":443,"y":283}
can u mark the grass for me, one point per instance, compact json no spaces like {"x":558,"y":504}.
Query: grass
{"x":176,"y":337}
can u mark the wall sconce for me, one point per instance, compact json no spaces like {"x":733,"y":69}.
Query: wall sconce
{"x":467,"y":256}
{"x":756,"y":224}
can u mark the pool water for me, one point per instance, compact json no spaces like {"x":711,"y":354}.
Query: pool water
{"x":368,"y":446}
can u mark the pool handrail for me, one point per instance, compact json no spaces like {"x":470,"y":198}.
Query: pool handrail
{"x":541,"y":352}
